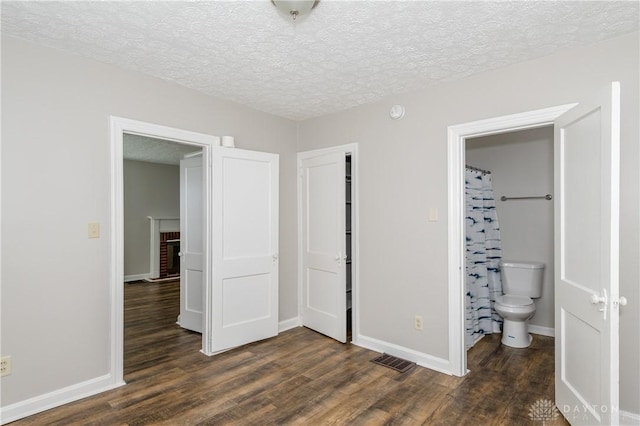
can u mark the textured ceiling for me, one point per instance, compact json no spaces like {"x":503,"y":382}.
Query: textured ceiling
{"x":344,"y":54}
{"x":142,"y":148}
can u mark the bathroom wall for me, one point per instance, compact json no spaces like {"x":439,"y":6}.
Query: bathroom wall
{"x":149,"y":190}
{"x":521,"y":164}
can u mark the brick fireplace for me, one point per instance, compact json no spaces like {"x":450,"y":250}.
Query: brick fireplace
{"x":169,"y":254}
{"x":164,"y":247}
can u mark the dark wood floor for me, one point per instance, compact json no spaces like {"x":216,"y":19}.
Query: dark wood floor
{"x":299,"y":377}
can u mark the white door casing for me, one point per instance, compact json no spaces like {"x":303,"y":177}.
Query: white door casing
{"x":457,"y":135}
{"x":191,"y":243}
{"x":245,"y":247}
{"x":587,"y":158}
{"x":120,"y":126}
{"x":323,"y":245}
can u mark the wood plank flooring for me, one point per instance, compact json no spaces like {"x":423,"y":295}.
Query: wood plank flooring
{"x":298,"y":378}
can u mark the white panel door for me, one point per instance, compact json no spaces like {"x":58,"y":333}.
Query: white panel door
{"x":245,"y":247}
{"x":587,"y":160}
{"x":324,"y":255}
{"x":191,"y":244}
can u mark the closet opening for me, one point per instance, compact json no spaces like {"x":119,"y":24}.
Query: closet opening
{"x":349,"y":260}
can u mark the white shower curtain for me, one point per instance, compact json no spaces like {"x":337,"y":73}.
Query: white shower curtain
{"x":483,"y":254}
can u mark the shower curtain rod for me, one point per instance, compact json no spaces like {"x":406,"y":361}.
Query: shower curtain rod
{"x":475,"y":169}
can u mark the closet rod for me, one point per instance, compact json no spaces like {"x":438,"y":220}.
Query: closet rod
{"x":546,"y":197}
{"x":476,"y":169}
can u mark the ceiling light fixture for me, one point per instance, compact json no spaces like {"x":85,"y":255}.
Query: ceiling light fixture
{"x":294,"y":8}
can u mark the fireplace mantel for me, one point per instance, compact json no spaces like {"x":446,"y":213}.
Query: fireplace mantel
{"x":158,"y":225}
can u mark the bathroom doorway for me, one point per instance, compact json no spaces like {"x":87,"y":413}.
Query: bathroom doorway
{"x":586,"y":168}
{"x":457,"y":137}
{"x":519,"y":165}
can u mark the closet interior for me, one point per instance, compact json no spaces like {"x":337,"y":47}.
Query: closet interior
{"x":349,"y":263}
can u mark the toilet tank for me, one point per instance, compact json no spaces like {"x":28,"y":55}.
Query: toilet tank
{"x":522,"y":278}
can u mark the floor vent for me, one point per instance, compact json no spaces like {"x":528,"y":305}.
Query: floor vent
{"x":395,"y":363}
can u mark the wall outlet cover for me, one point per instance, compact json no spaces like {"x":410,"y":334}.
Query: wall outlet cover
{"x":5,"y":366}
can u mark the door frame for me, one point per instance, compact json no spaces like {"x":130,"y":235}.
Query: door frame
{"x":119,"y":126}
{"x":352,"y":149}
{"x":456,"y":141}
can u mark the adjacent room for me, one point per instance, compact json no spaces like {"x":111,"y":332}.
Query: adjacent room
{"x":242,"y":204}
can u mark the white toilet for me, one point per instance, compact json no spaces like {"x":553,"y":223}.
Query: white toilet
{"x":521,"y":282}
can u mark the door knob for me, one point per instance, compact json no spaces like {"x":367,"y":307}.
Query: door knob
{"x":622,"y":301}
{"x":595,"y":299}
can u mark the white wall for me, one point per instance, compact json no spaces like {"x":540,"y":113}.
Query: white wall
{"x":56,"y":179}
{"x":521,"y":164}
{"x":149,"y":190}
{"x":403,"y":165}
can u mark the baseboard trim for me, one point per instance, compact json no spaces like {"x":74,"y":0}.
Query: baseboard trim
{"x":57,"y":398}
{"x":629,"y":419}
{"x":288,"y":324}
{"x":424,"y":360}
{"x":543,"y":331}
{"x":136,"y":277}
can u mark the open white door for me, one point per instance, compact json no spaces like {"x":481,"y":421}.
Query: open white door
{"x":245,"y":247}
{"x":191,"y":243}
{"x":587,"y":140}
{"x":322,"y":215}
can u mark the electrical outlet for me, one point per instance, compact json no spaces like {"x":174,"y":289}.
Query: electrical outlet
{"x":417,"y":322}
{"x":5,"y":366}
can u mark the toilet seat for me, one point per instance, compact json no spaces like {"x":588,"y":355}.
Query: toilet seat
{"x":514,"y":301}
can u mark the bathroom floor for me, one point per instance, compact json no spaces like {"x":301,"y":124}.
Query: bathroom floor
{"x":520,"y":381}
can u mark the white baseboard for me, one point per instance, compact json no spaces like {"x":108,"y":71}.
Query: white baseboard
{"x":288,"y":324}
{"x":544,"y":331}
{"x":136,"y":277}
{"x":629,"y":419}
{"x":57,"y":398}
{"x":424,"y":360}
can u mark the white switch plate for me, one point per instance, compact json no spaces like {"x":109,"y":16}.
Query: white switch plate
{"x":433,"y":214}
{"x":93,"y":230}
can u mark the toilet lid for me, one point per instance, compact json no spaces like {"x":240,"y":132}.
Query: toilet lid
{"x":514,"y":301}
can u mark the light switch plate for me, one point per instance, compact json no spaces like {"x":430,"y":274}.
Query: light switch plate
{"x":93,"y":230}
{"x":433,"y":214}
